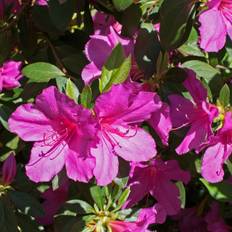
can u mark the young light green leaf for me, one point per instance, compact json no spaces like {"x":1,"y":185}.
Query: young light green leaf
{"x":41,"y":72}
{"x":72,"y":91}
{"x":98,"y":195}
{"x":224,"y":95}
{"x":202,"y":69}
{"x":220,"y":191}
{"x":182,"y":193}
{"x":86,"y":96}
{"x":115,"y":70}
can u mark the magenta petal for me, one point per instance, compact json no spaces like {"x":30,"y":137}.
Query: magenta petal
{"x":172,"y":171}
{"x":181,"y":110}
{"x":79,"y":168}
{"x":29,"y":123}
{"x":212,"y":163}
{"x":43,"y":168}
{"x":195,"y":87}
{"x":98,"y":49}
{"x":194,"y":138}
{"x":90,"y":72}
{"x":161,"y":123}
{"x":9,"y":169}
{"x":128,"y":108}
{"x":137,"y":145}
{"x":106,"y":168}
{"x":212,"y":30}
{"x":141,"y":182}
{"x":167,"y":195}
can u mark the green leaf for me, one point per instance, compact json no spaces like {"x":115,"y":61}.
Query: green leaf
{"x":78,"y":206}
{"x":41,"y":72}
{"x":221,"y":191}
{"x":224,"y":95}
{"x":202,"y":69}
{"x":61,"y":83}
{"x":98,"y":195}
{"x":26,"y":203}
{"x":182,"y":193}
{"x":26,"y":224}
{"x":72,"y":90}
{"x":122,"y":199}
{"x":175,"y":22}
{"x":116,"y":69}
{"x":8,"y":222}
{"x":121,"y":5}
{"x":86,"y":96}
{"x":4,"y":115}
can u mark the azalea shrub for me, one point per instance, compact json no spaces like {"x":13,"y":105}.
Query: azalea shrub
{"x":115,"y":115}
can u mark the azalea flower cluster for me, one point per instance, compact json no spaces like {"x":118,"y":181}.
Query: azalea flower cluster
{"x":132,"y":123}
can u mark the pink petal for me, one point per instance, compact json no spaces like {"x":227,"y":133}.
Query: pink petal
{"x":195,"y":87}
{"x":194,"y":138}
{"x":161,"y":123}
{"x":141,"y":182}
{"x":106,"y":168}
{"x":137,"y":145}
{"x":79,"y":168}
{"x":181,"y":110}
{"x":167,"y":195}
{"x":29,"y":123}
{"x":212,"y":30}
{"x":90,"y":72}
{"x":44,"y":168}
{"x":98,"y":49}
{"x":212,"y":163}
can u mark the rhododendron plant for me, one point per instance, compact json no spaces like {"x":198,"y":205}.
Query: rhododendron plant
{"x":115,"y":115}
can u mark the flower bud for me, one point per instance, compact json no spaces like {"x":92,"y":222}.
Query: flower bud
{"x":9,"y":169}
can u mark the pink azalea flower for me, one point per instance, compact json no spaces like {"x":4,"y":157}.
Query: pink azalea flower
{"x":198,"y":114}
{"x":160,"y":119}
{"x":145,"y":218}
{"x":118,"y":112}
{"x":63,"y":133}
{"x":156,"y":179}
{"x":9,"y":170}
{"x":218,"y":151}
{"x":54,"y":199}
{"x":42,"y":2}
{"x":98,"y":49}
{"x":215,"y":222}
{"x":216,"y":24}
{"x":10,"y":75}
{"x":102,"y":23}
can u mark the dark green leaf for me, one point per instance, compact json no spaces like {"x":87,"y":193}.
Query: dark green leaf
{"x":175,"y":22}
{"x":26,"y":224}
{"x":26,"y":203}
{"x":121,"y":5}
{"x":147,"y":49}
{"x":8,"y":222}
{"x":41,"y":72}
